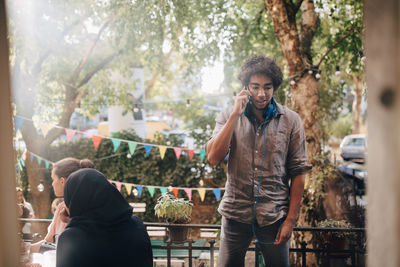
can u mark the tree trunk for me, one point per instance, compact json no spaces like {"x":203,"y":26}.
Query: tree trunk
{"x":296,"y":48}
{"x":305,"y":102}
{"x":357,"y":119}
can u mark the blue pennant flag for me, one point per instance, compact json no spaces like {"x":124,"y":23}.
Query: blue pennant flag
{"x":217,"y":193}
{"x":163,"y":190}
{"x":148,"y":149}
{"x":47,"y":164}
{"x":139,"y":189}
{"x":18,"y":121}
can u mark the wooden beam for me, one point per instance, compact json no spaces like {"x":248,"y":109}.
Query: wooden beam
{"x":8,"y":223}
{"x":383,"y":83}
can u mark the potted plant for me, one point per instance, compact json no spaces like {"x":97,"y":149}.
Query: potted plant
{"x":174,"y":211}
{"x":338,"y":240}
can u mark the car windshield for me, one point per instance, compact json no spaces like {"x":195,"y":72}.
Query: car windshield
{"x":354,"y":142}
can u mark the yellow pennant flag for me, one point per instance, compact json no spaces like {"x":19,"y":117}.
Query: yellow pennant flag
{"x":202,"y":193}
{"x":45,"y":128}
{"x":162,"y":151}
{"x":128,"y":188}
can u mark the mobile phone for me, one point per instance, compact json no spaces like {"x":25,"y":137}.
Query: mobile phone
{"x":249,"y":96}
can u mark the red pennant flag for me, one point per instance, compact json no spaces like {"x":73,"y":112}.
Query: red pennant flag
{"x":96,"y":141}
{"x":24,"y":156}
{"x":118,"y":185}
{"x":175,"y":190}
{"x":178,"y":152}
{"x":190,"y":152}
{"x":70,"y":133}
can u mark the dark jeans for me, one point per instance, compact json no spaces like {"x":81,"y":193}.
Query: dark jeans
{"x":236,"y":238}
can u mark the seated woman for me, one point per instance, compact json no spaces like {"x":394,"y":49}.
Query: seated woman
{"x":101,"y":230}
{"x":59,"y":174}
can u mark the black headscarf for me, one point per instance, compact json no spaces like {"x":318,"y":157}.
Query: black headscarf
{"x":94,"y":204}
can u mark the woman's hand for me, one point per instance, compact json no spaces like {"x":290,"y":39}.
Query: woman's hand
{"x":64,"y":213}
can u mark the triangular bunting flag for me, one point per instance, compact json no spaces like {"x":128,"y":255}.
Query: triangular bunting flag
{"x":132,"y":147}
{"x":24,"y":155}
{"x":116,"y":143}
{"x":39,"y":160}
{"x":139,"y":189}
{"x":31,"y":157}
{"x":151,"y":190}
{"x":162,"y":151}
{"x":18,"y":121}
{"x":176,"y":191}
{"x":202,"y":154}
{"x":202,"y":193}
{"x":22,"y":162}
{"x":226,"y":157}
{"x":128,"y":188}
{"x":118,"y":186}
{"x":47,"y":163}
{"x":178,"y":152}
{"x":148,"y":149}
{"x":217,"y":193}
{"x":96,"y":141}
{"x":70,"y":133}
{"x":188,"y":192}
{"x":163,"y":190}
{"x":191,"y":153}
{"x":45,"y":127}
{"x":19,"y":165}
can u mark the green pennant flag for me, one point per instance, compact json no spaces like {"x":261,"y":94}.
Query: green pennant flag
{"x":151,"y":190}
{"x":47,"y":163}
{"x":132,"y":147}
{"x":163,"y":190}
{"x":116,"y":143}
{"x":39,"y":160}
{"x":202,"y":154}
{"x":19,"y":165}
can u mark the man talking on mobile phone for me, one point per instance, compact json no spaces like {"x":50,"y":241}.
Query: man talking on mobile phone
{"x":267,"y":162}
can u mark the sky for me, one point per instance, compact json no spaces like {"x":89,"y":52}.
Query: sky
{"x":212,"y":78}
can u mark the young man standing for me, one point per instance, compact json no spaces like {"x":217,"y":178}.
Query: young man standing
{"x":266,"y":167}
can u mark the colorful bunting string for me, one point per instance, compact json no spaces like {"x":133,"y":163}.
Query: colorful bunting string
{"x":148,"y":147}
{"x":70,"y":133}
{"x":202,"y":193}
{"x":116,"y":143}
{"x":18,"y":121}
{"x":188,"y":192}
{"x":132,"y":147}
{"x":139,"y":188}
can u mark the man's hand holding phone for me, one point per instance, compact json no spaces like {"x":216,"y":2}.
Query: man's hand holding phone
{"x":241,"y":101}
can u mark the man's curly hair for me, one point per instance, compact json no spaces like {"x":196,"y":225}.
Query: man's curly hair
{"x":260,"y":65}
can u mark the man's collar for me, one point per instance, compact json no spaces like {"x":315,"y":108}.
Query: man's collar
{"x":278,"y":110}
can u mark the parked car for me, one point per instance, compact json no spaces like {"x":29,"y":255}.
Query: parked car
{"x":354,"y":147}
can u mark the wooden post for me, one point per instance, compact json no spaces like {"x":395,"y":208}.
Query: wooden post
{"x":8,"y":223}
{"x":383,"y":81}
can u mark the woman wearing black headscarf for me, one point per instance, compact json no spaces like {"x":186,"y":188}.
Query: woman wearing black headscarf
{"x":102,"y":230}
